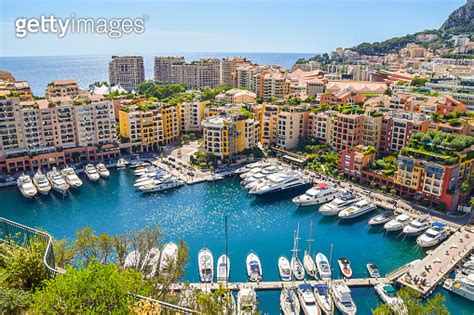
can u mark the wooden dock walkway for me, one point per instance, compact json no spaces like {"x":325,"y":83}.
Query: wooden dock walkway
{"x":436,"y":266}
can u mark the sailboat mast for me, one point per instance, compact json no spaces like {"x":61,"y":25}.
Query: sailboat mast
{"x":226,"y":256}
{"x":310,"y":237}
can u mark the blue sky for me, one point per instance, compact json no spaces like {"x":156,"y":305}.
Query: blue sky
{"x":223,"y":25}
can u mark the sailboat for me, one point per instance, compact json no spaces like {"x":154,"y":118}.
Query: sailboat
{"x":295,"y":263}
{"x":308,"y":261}
{"x":289,"y":303}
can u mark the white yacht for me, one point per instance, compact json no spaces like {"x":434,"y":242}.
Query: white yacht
{"x":246,"y":301}
{"x":284,"y":268}
{"x":397,"y":223}
{"x":309,"y":265}
{"x":91,"y":172}
{"x":319,"y":193}
{"x":151,"y":262}
{"x":337,"y":205}
{"x":297,"y":268}
{"x":71,"y":177}
{"x":289,"y":303}
{"x":307,"y":300}
{"x":102,"y":170}
{"x":417,"y":226}
{"x":343,"y":299}
{"x":160,"y":186}
{"x":253,"y":171}
{"x":433,"y":236}
{"x":356,"y":210}
{"x":279,"y":182}
{"x":206,"y":265}
{"x":42,"y":183}
{"x":223,"y":268}
{"x":321,"y":292}
{"x":132,"y":260}
{"x":373,"y":270}
{"x":254,"y":267}
{"x":145,"y":170}
{"x":323,"y":266}
{"x":345,"y":267}
{"x":26,"y":187}
{"x":169,"y":255}
{"x":258,"y":177}
{"x":462,"y":285}
{"x":249,"y":167}
{"x":57,"y":181}
{"x":388,"y":295}
{"x":121,"y":164}
{"x":381,"y":218}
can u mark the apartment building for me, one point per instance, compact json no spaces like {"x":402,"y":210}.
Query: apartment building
{"x":292,"y":127}
{"x":141,"y":127}
{"x":320,"y":125}
{"x":128,"y":71}
{"x":372,"y":130}
{"x":270,"y":83}
{"x":62,"y":88}
{"x":347,"y":131}
{"x":9,"y":85}
{"x":237,"y":96}
{"x":269,"y":124}
{"x":162,"y":68}
{"x":193,"y":114}
{"x":12,"y":136}
{"x":229,"y":70}
{"x":198,"y":73}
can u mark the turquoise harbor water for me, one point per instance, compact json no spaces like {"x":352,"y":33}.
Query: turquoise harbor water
{"x":195,"y":214}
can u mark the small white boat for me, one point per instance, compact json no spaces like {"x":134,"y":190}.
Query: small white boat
{"x":319,"y":193}
{"x":417,"y":226}
{"x":343,"y":299}
{"x":433,"y":236}
{"x":145,"y":171}
{"x":246,"y":301}
{"x":151,"y":262}
{"x":388,"y":295}
{"x":91,"y":172}
{"x":297,"y":268}
{"x":57,"y":181}
{"x":373,"y":271}
{"x":289,"y":303}
{"x":381,"y":219}
{"x":71,"y":177}
{"x":42,"y":183}
{"x":132,"y":260}
{"x":345,"y":267}
{"x":309,"y":265}
{"x":254,"y":267}
{"x":324,"y":269}
{"x":284,"y":268}
{"x":356,"y":210}
{"x":397,"y":224}
{"x":156,"y":187}
{"x":169,"y":257}
{"x":26,"y":187}
{"x":206,"y":265}
{"x":223,"y":268}
{"x":308,"y":302}
{"x":337,"y":205}
{"x":102,"y":170}
{"x":137,"y":165}
{"x":321,"y":292}
{"x":121,"y":164}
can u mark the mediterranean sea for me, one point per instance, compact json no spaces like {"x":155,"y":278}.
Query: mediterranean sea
{"x":41,"y":70}
{"x":196,"y":214}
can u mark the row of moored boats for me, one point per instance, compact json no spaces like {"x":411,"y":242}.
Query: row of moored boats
{"x":463,"y":281}
{"x":154,"y":179}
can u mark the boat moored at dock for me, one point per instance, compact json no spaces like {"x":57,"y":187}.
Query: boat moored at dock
{"x":297,"y":268}
{"x":254,"y":267}
{"x":284,"y":268}
{"x":321,"y":292}
{"x":92,"y":173}
{"x":356,"y":210}
{"x":319,"y":193}
{"x":337,"y":205}
{"x":397,"y":223}
{"x":373,"y":271}
{"x":121,"y":164}
{"x":388,"y":295}
{"x":223,"y":268}
{"x":206,"y":265}
{"x":433,"y":236}
{"x":42,"y":183}
{"x":381,"y":219}
{"x":324,"y":269}
{"x":102,"y":170}
{"x":289,"y":302}
{"x":308,"y":302}
{"x":345,"y":267}
{"x":57,"y":181}
{"x":71,"y":177}
{"x":26,"y":186}
{"x":343,"y":299}
{"x":246,"y":301}
{"x":417,"y":226}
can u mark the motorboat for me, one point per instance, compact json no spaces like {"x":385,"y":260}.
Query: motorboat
{"x":151,"y":262}
{"x":155,"y":187}
{"x":246,"y":301}
{"x":289,"y":303}
{"x":388,"y":294}
{"x":150,"y":178}
{"x":102,"y":170}
{"x":253,"y":171}
{"x":254,"y":267}
{"x":284,"y":268}
{"x":91,"y":172}
{"x":381,"y":218}
{"x":169,"y":257}
{"x":397,"y":223}
{"x":42,"y":183}
{"x":309,"y":265}
{"x":279,"y":182}
{"x":323,"y":298}
{"x":417,"y":226}
{"x":433,"y":236}
{"x":57,"y":181}
{"x":71,"y":177}
{"x":121,"y":164}
{"x":345,"y":267}
{"x":337,"y":205}
{"x":258,"y":177}
{"x":145,"y":170}
{"x":324,"y":269}
{"x":138,"y":165}
{"x":297,"y":268}
{"x":373,"y":271}
{"x":343,"y":299}
{"x":254,"y":184}
{"x":319,"y":193}
{"x":132,"y":260}
{"x":249,"y":167}
{"x":26,"y":186}
{"x":223,"y":268}
{"x":462,"y":284}
{"x":307,"y":300}
{"x":206,"y":265}
{"x":356,"y":210}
